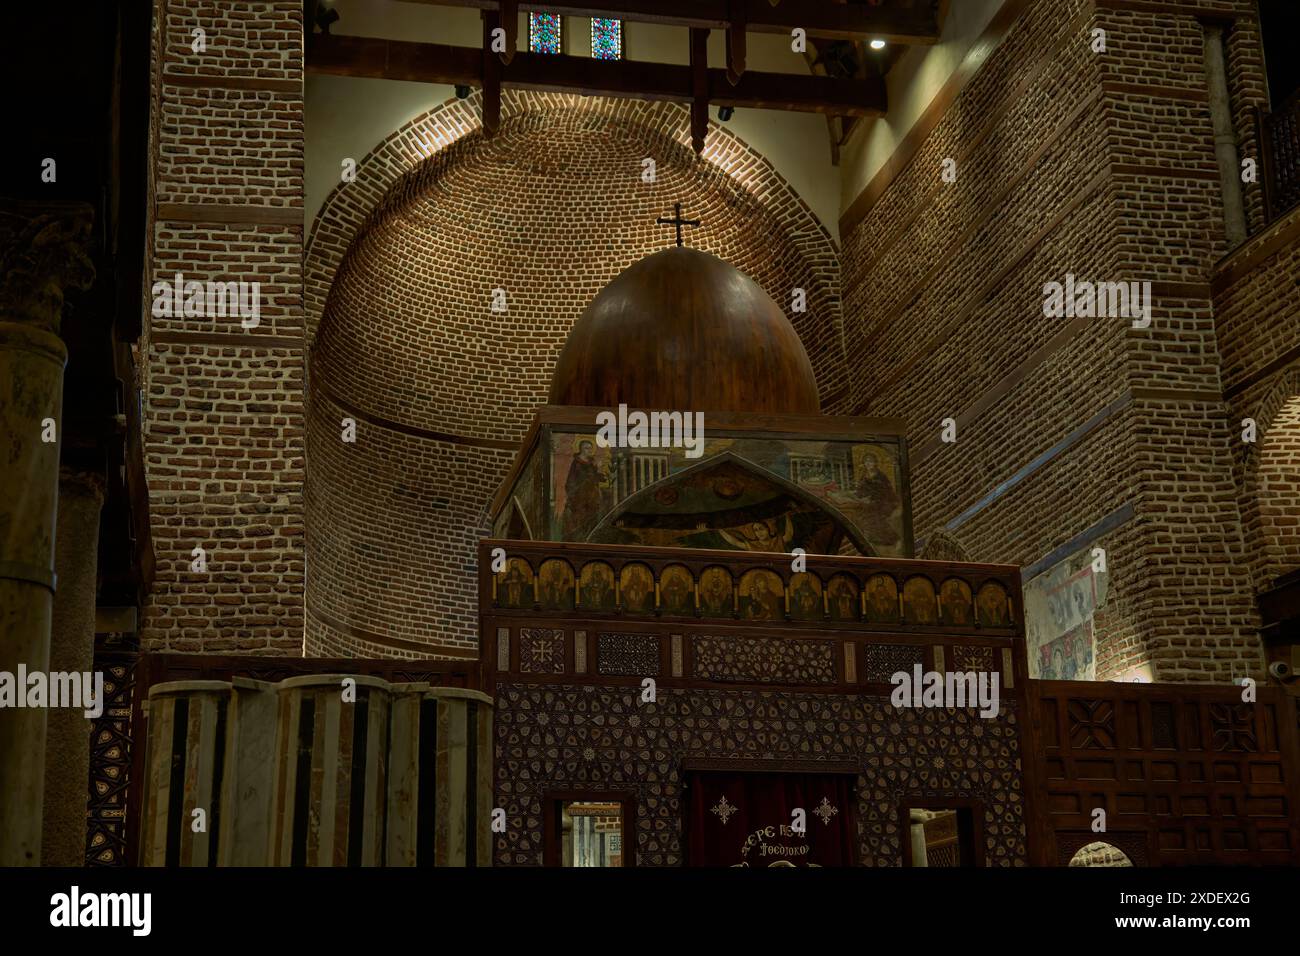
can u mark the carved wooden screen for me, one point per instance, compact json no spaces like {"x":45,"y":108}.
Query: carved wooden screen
{"x":1185,"y":774}
{"x":110,"y":762}
{"x":737,"y":643}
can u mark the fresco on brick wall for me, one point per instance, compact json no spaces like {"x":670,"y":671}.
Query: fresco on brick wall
{"x":1060,"y":606}
{"x":862,"y":481}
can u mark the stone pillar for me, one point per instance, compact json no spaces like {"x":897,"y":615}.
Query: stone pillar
{"x":331,"y":784}
{"x":917,"y":820}
{"x":42,"y":250}
{"x":72,"y":650}
{"x":248,"y":785}
{"x":462,"y":776}
{"x":1225,"y":138}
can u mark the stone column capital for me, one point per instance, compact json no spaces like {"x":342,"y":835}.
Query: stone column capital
{"x":44,"y":252}
{"x":83,"y":482}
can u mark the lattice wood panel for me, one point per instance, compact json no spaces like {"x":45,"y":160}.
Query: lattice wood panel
{"x":1184,"y":774}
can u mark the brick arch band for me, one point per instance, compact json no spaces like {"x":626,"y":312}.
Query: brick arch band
{"x":407,"y":163}
{"x":1272,"y":550}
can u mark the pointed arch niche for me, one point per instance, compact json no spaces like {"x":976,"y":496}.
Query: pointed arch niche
{"x":758,"y":511}
{"x":401,"y":275}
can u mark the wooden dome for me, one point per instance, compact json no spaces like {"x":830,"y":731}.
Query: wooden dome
{"x":683,"y":330}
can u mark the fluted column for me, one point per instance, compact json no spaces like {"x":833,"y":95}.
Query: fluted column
{"x":42,"y":254}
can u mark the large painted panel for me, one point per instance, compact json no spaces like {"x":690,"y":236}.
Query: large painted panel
{"x":863,"y":482}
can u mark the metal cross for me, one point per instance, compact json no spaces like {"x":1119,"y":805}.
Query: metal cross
{"x":677,"y":221}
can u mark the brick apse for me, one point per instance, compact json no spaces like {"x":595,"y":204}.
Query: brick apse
{"x":441,"y":387}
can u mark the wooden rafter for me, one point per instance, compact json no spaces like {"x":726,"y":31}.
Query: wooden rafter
{"x":897,"y":21}
{"x":467,"y":66}
{"x":699,"y":87}
{"x":736,"y":41}
{"x":491,"y":77}
{"x":509,"y":19}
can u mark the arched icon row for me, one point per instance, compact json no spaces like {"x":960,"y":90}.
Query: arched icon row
{"x":758,"y":595}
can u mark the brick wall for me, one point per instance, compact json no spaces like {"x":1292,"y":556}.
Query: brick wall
{"x":1080,"y":433}
{"x":401,"y":268}
{"x":224,"y":404}
{"x":1195,"y":612}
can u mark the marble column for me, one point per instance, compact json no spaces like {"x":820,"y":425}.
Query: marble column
{"x":72,"y":650}
{"x":184,"y":747}
{"x":43,"y":249}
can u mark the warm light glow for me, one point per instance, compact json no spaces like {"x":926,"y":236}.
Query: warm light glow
{"x":877,"y":44}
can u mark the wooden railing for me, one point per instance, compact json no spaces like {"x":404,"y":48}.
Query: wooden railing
{"x":1279,"y":146}
{"x":559,"y":612}
{"x":557,"y":579}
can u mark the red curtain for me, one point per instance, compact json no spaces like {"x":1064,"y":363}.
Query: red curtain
{"x":746,"y":819}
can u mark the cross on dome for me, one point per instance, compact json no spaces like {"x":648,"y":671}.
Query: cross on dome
{"x":677,"y":221}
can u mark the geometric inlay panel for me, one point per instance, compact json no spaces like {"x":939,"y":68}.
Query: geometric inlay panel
{"x":972,"y":658}
{"x":627,"y":655}
{"x":556,"y":737}
{"x":1233,"y":728}
{"x":881,"y":661}
{"x":110,"y":764}
{"x":764,"y":660}
{"x":1092,"y":724}
{"x":1163,"y":734}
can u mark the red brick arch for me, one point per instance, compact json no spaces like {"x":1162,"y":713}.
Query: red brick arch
{"x":1271,"y":492}
{"x":397,"y":276}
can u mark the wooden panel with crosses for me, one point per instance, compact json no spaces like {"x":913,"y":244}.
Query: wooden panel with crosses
{"x":1181,"y":774}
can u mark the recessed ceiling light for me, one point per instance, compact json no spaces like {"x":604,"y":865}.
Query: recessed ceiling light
{"x":877,"y":44}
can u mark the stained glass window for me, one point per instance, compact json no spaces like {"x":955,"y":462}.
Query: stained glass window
{"x":544,"y":33}
{"x":606,"y":39}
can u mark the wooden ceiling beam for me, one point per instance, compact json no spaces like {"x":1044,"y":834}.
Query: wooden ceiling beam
{"x":736,"y":41}
{"x":464,"y":66}
{"x":897,"y":21}
{"x":492,"y":70}
{"x":699,"y":88}
{"x":509,"y":20}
